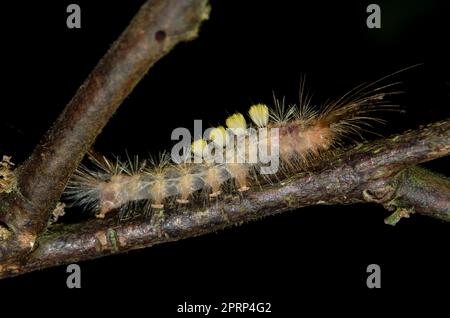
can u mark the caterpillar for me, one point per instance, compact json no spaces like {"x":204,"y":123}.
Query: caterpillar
{"x":270,"y":144}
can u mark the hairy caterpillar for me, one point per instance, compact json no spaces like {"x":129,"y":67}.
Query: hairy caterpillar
{"x":297,"y":136}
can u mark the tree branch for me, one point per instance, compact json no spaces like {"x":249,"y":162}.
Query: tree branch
{"x":382,"y":171}
{"x":154,"y":31}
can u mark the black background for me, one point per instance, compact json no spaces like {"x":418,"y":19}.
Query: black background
{"x":245,"y":51}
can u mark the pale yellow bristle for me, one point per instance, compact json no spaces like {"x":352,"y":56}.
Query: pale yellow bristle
{"x":259,"y":114}
{"x":159,"y":192}
{"x":219,"y":136}
{"x":240,"y":174}
{"x":214,"y":180}
{"x":185,"y":187}
{"x":236,"y":123}
{"x":198,"y":147}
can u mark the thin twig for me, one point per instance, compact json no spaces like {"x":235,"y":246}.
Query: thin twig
{"x":154,"y":31}
{"x":382,"y":171}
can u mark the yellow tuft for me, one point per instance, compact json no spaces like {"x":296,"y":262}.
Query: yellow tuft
{"x":198,"y":147}
{"x":219,"y":136}
{"x":236,"y":123}
{"x":259,"y":114}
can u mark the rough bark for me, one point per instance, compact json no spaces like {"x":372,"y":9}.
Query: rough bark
{"x":157,"y":27}
{"x":382,"y":172}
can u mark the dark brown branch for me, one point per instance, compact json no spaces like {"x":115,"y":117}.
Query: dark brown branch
{"x":157,"y":27}
{"x":382,"y":171}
